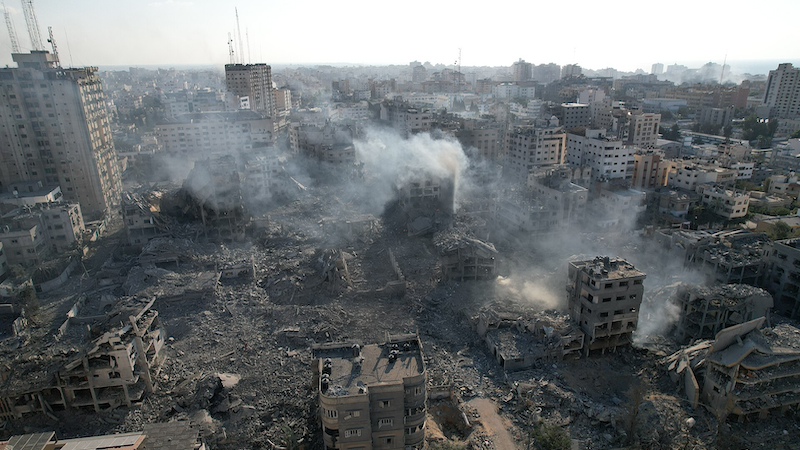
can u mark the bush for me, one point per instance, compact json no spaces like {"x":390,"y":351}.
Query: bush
{"x":447,"y":445}
{"x":547,"y":436}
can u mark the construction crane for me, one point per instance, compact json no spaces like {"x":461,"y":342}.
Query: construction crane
{"x":239,"y":30}
{"x":33,"y":25}
{"x":12,"y":33}
{"x":52,"y":40}
{"x":230,"y":49}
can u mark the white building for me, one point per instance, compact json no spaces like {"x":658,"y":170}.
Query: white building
{"x":529,"y":147}
{"x":207,"y":133}
{"x":513,"y":90}
{"x":782,"y":94}
{"x":608,"y":158}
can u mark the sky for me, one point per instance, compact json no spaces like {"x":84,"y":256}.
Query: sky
{"x":623,"y":34}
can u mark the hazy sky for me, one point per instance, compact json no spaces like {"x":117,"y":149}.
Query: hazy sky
{"x":623,"y":34}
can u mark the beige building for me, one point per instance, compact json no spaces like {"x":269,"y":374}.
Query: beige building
{"x":254,"y":82}
{"x":607,"y":157}
{"x":643,"y":129}
{"x":31,"y":234}
{"x":782,"y":95}
{"x":405,"y":119}
{"x":372,"y":397}
{"x":54,"y":128}
{"x":727,"y":203}
{"x":604,"y":298}
{"x":650,"y":169}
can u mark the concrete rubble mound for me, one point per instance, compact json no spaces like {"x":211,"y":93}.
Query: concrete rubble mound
{"x":465,"y":257}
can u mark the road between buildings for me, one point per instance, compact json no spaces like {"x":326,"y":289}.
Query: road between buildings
{"x":493,"y":423}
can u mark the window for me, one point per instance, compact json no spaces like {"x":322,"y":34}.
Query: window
{"x":385,"y":423}
{"x":606,"y":300}
{"x":352,"y":432}
{"x":387,"y":440}
{"x":623,"y":283}
{"x":385,"y":403}
{"x":331,"y":413}
{"x":352,"y":414}
{"x":608,"y":285}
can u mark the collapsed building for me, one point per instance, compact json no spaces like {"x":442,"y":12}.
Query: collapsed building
{"x":520,"y":341}
{"x":178,"y":435}
{"x":745,"y":372}
{"x":214,"y":195}
{"x":604,"y":298}
{"x":116,"y":367}
{"x":465,"y":257}
{"x":372,"y":396}
{"x":519,"y":216}
{"x":705,"y":311}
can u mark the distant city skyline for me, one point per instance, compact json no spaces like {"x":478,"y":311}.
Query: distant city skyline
{"x":626,"y":37}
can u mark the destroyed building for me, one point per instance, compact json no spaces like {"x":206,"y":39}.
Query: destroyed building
{"x":745,"y":372}
{"x":31,"y":234}
{"x":707,"y":310}
{"x":141,"y":215}
{"x":116,"y":367}
{"x":784,"y":277}
{"x":372,"y":396}
{"x":519,"y":216}
{"x":734,"y":257}
{"x":428,"y":202}
{"x":465,"y":257}
{"x":604,"y":298}
{"x":331,"y":143}
{"x":214,"y":196}
{"x":520,"y":340}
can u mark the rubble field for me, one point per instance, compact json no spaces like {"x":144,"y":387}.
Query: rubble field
{"x":238,"y":349}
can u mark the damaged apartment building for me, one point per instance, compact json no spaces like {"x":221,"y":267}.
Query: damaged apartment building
{"x":213,"y":194}
{"x":464,"y":257}
{"x":116,"y":366}
{"x":705,"y":311}
{"x":604,"y":298}
{"x":141,"y":214}
{"x":746,"y":372}
{"x":428,"y":202}
{"x":783,"y":278}
{"x":330,"y":143}
{"x":372,"y":396}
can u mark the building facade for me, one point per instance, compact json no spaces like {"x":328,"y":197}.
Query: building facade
{"x":782,"y":94}
{"x":55,"y":129}
{"x":253,"y":81}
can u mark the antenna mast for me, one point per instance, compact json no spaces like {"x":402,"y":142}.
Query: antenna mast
{"x":230,"y":49}
{"x":12,"y":33}
{"x":33,"y":25}
{"x":52,"y":40}
{"x":241,"y":45}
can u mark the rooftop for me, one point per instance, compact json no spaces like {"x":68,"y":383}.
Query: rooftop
{"x":353,"y":373}
{"x":608,"y":268}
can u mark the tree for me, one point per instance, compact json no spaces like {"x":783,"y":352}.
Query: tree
{"x":795,"y":135}
{"x":666,"y":114}
{"x":780,"y":231}
{"x":28,"y":299}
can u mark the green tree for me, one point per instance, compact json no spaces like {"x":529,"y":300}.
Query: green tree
{"x":795,"y":135}
{"x":781,"y":230}
{"x":545,"y":436}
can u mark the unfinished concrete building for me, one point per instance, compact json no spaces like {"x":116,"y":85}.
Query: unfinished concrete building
{"x":372,"y":396}
{"x":705,"y":311}
{"x":214,"y":191}
{"x":116,"y":368}
{"x":464,"y":257}
{"x":783,"y":278}
{"x":604,"y":298}
{"x":745,"y":372}
{"x":520,"y":341}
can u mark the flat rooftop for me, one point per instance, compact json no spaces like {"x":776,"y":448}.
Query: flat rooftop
{"x":608,"y":268}
{"x":375,"y":369}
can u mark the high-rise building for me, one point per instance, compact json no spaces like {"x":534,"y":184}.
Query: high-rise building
{"x":571,"y":71}
{"x":657,"y":69}
{"x":782,"y":94}
{"x":55,"y":129}
{"x":523,"y":71}
{"x":253,"y":81}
